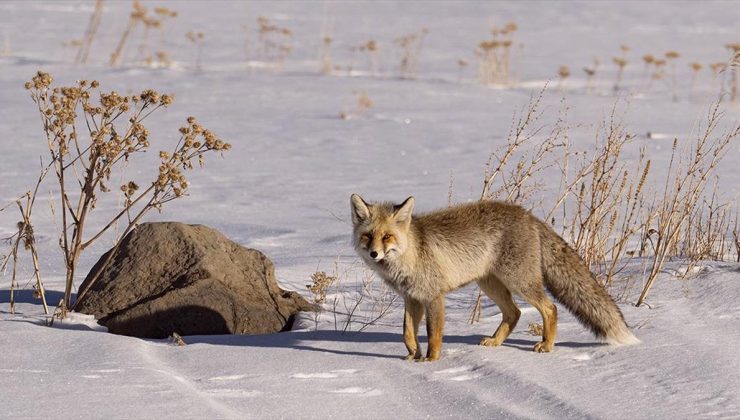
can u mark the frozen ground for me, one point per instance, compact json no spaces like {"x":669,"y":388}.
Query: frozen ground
{"x":285,"y":186}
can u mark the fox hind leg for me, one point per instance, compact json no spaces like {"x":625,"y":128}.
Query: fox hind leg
{"x":537,"y":298}
{"x":510,"y":313}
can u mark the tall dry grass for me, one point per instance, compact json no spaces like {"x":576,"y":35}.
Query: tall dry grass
{"x":612,"y":212}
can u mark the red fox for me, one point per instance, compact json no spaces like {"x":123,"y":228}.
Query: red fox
{"x":501,"y":246}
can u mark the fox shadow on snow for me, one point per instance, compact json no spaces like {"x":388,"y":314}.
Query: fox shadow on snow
{"x":318,"y":340}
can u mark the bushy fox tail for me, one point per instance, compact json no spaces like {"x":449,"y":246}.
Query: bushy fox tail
{"x":572,"y":283}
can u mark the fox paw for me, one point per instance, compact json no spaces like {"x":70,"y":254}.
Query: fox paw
{"x":543,"y":347}
{"x":490,"y":342}
{"x":414,"y":356}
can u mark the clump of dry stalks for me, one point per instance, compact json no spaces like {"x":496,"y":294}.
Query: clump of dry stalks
{"x":196,"y":38}
{"x":139,"y":17}
{"x":92,"y":29}
{"x":90,"y":135}
{"x":326,"y":61}
{"x":494,"y":56}
{"x":609,"y":211}
{"x":410,"y":45}
{"x":361,"y":105}
{"x":684,"y":188}
{"x":734,"y":69}
{"x":25,"y":235}
{"x":354,"y":309}
{"x":276,"y":42}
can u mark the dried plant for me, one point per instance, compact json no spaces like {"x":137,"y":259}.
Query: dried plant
{"x":326,"y":61}
{"x":92,"y":29}
{"x":371,"y":301}
{"x":736,"y":238}
{"x":590,"y":73}
{"x":535,"y":329}
{"x":362,"y":104}
{"x":112,"y":132}
{"x":320,"y":283}
{"x":563,"y":73}
{"x":494,"y":56}
{"x":140,"y":17}
{"x":609,"y":204}
{"x":671,"y":57}
{"x":621,"y":63}
{"x":356,"y":307}
{"x":25,"y":234}
{"x":277,"y":42}
{"x":6,"y":51}
{"x":411,"y":46}
{"x":520,"y":133}
{"x":488,"y":62}
{"x":684,"y":186}
{"x":659,"y":73}
{"x":461,"y":65}
{"x":137,"y":15}
{"x":371,"y":49}
{"x":649,"y":61}
{"x":734,"y":66}
{"x":707,"y":230}
{"x":695,"y":69}
{"x":196,"y":38}
{"x":163,"y":16}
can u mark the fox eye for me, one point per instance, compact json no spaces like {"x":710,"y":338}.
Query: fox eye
{"x":387,"y":237}
{"x":365,"y":237}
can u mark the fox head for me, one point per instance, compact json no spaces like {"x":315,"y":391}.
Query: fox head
{"x":380,"y":230}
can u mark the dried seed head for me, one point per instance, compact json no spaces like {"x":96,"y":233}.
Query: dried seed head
{"x":564,"y":72}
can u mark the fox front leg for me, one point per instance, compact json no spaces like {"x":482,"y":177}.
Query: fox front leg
{"x":413,"y":312}
{"x":435,"y":311}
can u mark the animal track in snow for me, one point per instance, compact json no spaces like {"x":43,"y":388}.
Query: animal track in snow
{"x":458,"y":369}
{"x":318,"y":375}
{"x":325,"y":375}
{"x":233,"y":393}
{"x":227,"y":378}
{"x":467,"y":373}
{"x":356,"y":390}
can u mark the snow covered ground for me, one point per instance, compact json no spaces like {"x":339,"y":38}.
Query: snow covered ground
{"x":284,"y":189}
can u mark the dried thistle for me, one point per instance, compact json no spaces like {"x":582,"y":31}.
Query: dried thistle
{"x":621,"y":63}
{"x":115,"y":133}
{"x":320,"y":283}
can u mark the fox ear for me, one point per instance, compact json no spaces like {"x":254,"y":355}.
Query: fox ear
{"x":360,"y":210}
{"x":402,"y":212}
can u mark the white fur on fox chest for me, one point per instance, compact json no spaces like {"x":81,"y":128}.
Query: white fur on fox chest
{"x":445,"y":268}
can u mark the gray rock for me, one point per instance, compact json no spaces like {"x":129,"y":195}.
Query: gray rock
{"x":189,"y":279}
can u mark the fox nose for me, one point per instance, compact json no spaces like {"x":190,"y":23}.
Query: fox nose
{"x":373,"y":254}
